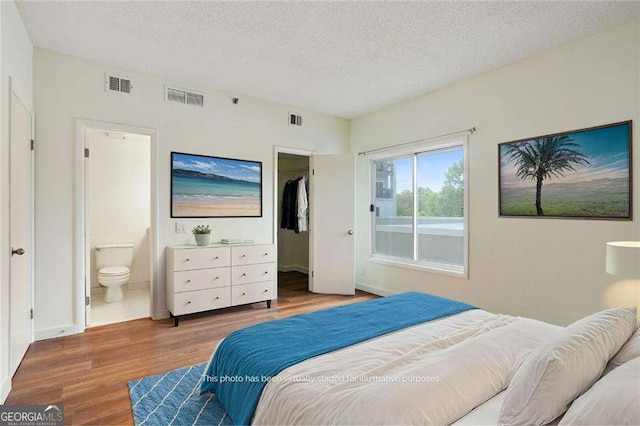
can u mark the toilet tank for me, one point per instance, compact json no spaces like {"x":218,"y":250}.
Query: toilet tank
{"x":114,"y":255}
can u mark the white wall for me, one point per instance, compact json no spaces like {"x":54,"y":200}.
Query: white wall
{"x":552,"y":270}
{"x":70,"y":88}
{"x":293,"y":249}
{"x":119,"y":197}
{"x":16,"y":62}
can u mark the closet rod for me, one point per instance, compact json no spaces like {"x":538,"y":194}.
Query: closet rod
{"x":470,"y":131}
{"x":303,"y":169}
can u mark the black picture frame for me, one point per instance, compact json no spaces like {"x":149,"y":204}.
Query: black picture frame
{"x":603,"y":153}
{"x":198,"y":192}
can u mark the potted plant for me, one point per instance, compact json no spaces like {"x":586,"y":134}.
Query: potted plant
{"x":202,"y":234}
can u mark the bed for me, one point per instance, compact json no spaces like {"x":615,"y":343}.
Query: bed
{"x":452,"y":368}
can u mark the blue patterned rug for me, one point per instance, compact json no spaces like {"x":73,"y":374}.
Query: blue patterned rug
{"x":171,"y":399}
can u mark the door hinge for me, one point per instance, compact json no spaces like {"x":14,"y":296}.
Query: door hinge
{"x":372,"y":208}
{"x":313,"y":172}
{"x":311,"y":274}
{"x":33,"y":145}
{"x":31,"y":313}
{"x":86,"y":152}
{"x":87,"y":300}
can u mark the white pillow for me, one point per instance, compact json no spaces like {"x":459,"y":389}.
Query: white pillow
{"x":564,"y":366}
{"x":629,"y":351}
{"x":613,"y":400}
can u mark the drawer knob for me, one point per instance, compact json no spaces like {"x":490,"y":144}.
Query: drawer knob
{"x":186,"y":260}
{"x":188,"y":281}
{"x":266,"y":272}
{"x":189,"y":302}
{"x":217,"y":297}
{"x":266,"y":254}
{"x":215,"y":258}
{"x":244,"y":275}
{"x":266,"y":290}
{"x":216,"y":278}
{"x":244,"y":294}
{"x":244,"y":255}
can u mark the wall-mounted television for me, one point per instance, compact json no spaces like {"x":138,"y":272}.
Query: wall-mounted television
{"x":204,"y":186}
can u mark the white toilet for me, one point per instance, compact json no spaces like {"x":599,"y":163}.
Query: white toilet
{"x":114,"y":262}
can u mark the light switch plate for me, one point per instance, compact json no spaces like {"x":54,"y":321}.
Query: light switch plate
{"x":181,"y":228}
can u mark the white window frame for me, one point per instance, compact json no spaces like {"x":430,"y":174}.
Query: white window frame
{"x":423,"y":147}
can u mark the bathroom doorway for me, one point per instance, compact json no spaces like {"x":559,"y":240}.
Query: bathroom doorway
{"x":117,"y":273}
{"x":118,"y":218}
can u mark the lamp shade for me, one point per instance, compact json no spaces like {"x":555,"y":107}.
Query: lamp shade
{"x":623,"y":258}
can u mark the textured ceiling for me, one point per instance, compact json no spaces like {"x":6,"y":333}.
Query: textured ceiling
{"x":341,"y":58}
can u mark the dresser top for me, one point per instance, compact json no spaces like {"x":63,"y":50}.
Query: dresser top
{"x":214,"y":245}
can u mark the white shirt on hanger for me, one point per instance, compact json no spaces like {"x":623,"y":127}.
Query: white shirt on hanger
{"x":303,"y":205}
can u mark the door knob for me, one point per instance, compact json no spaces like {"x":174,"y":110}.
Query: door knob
{"x":19,"y":251}
{"x":350,"y":232}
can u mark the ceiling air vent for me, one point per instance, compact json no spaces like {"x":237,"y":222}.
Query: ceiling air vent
{"x":295,"y":119}
{"x":114,"y":83}
{"x":182,"y":96}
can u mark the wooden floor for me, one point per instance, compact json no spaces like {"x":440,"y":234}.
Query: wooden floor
{"x":88,"y":373}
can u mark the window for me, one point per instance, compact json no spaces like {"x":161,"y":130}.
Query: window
{"x":418,"y":208}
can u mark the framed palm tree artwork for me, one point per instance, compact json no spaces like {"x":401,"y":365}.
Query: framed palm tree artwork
{"x":581,"y":174}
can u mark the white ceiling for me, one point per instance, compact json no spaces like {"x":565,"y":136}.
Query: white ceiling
{"x":341,"y":58}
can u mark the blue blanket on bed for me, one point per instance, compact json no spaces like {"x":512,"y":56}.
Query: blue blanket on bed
{"x":248,"y":358}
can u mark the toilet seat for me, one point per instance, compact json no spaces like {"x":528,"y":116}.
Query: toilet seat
{"x":113,"y":275}
{"x":113,"y":271}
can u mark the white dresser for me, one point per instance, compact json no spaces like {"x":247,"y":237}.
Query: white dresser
{"x":218,"y":275}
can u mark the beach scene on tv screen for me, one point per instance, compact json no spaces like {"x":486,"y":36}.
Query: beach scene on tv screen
{"x":214,"y":187}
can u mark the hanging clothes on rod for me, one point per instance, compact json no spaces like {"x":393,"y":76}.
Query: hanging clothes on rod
{"x":295,"y":205}
{"x":303,"y":205}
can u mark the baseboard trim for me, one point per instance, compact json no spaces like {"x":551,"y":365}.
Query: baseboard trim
{"x":52,"y":333}
{"x":292,"y":268}
{"x":5,"y":389}
{"x":374,"y":290}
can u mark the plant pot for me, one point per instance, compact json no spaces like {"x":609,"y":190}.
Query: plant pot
{"x":202,"y":239}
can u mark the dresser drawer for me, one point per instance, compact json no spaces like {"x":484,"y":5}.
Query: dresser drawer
{"x":201,"y":258}
{"x":253,"y":273}
{"x":250,"y":293}
{"x":201,"y":279}
{"x":201,"y":300}
{"x":247,"y":255}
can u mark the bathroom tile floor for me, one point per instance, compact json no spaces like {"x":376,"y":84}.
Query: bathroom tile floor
{"x":135,"y":305}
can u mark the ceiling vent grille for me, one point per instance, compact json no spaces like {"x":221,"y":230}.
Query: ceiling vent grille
{"x":113,"y":83}
{"x":295,"y":119}
{"x":182,"y":96}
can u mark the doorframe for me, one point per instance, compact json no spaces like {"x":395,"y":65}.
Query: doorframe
{"x":16,"y":92}
{"x":80,"y":208}
{"x":278,"y":149}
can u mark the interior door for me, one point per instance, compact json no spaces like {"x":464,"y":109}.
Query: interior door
{"x":332,"y":224}
{"x":21,"y":217}
{"x":87,"y":239}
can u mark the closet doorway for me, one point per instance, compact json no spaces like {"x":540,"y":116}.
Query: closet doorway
{"x":293,"y":221}
{"x":321,"y":259}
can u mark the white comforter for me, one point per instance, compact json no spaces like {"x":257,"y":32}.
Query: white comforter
{"x":433,"y":373}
